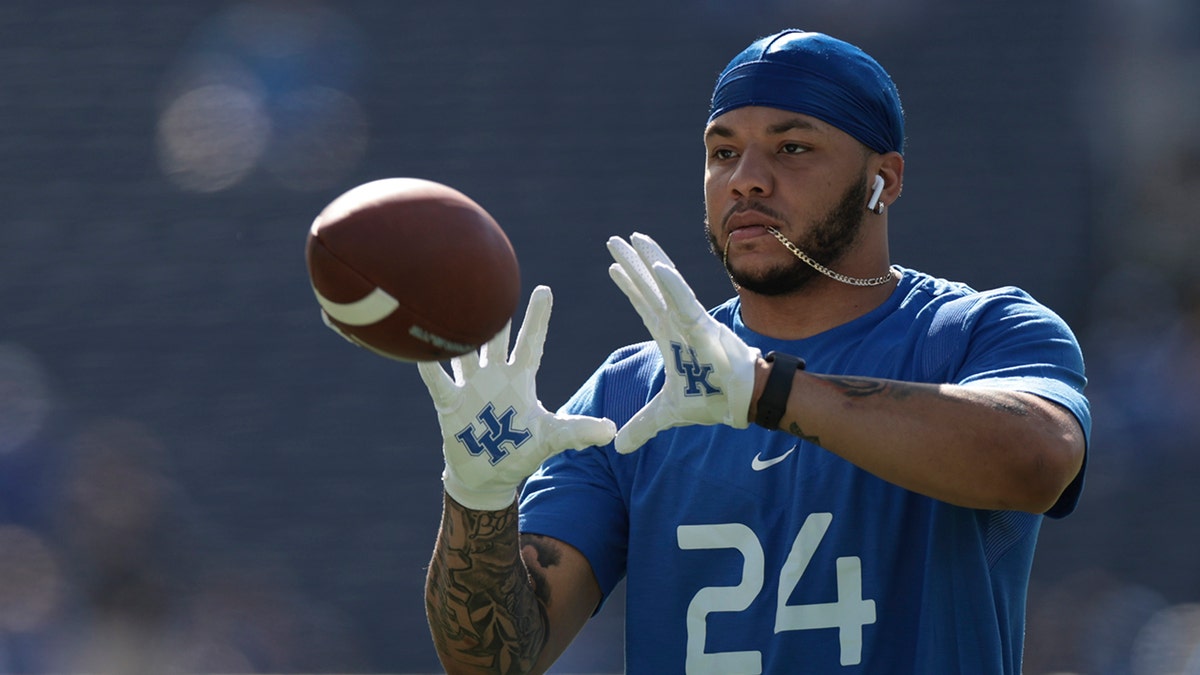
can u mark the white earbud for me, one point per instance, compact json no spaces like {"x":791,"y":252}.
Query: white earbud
{"x":877,"y":188}
{"x":875,"y":195}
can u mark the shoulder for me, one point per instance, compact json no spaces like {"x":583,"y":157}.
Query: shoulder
{"x":1004,"y":338}
{"x":955,"y":305}
{"x":959,"y":334}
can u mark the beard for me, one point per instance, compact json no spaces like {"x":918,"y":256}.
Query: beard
{"x":827,"y":241}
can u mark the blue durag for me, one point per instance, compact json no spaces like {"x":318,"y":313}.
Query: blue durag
{"x":816,"y":75}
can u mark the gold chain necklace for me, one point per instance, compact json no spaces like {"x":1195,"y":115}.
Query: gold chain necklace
{"x":877,"y":281}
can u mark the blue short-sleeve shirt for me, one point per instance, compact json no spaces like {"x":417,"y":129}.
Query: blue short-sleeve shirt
{"x":748,"y":551}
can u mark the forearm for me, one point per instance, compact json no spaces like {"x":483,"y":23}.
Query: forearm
{"x":482,"y":609}
{"x":972,"y":447}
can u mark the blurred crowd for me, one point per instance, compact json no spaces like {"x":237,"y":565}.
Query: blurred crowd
{"x":194,"y":477}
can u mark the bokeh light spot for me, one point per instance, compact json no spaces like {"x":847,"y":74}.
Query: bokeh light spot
{"x":212,"y":136}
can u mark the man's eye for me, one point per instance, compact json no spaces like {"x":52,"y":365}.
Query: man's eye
{"x":722,"y":153}
{"x":792,"y":149}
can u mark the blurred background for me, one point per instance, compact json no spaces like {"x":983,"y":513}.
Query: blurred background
{"x":197,"y":476}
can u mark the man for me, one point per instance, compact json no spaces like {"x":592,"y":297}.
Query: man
{"x":881,"y":512}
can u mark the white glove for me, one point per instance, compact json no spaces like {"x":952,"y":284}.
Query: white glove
{"x":495,"y":432}
{"x":709,"y":369}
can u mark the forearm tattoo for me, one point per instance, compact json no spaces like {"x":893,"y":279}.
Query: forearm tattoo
{"x":796,"y":430}
{"x":862,"y":387}
{"x":852,"y":387}
{"x":547,"y":554}
{"x":479,"y":597}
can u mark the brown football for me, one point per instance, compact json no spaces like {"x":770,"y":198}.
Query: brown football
{"x":412,"y":269}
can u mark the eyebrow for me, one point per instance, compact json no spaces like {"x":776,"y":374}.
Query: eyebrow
{"x":717,"y":130}
{"x":790,"y":124}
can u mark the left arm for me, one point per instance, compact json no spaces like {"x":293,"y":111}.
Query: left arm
{"x":966,"y":445}
{"x":969,"y":446}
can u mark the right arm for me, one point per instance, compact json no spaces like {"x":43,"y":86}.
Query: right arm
{"x":499,"y":602}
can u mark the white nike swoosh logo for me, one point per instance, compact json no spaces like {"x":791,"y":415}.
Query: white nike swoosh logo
{"x":758,"y":464}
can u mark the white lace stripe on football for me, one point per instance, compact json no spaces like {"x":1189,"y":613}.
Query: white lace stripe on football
{"x":375,"y":306}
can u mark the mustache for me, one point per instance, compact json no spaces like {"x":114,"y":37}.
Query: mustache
{"x":751,"y":205}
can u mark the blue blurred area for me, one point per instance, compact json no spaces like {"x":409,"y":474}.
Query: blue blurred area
{"x":197,"y":476}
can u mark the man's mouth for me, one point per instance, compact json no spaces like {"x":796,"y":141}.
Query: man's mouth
{"x":747,"y":231}
{"x":750,"y":221}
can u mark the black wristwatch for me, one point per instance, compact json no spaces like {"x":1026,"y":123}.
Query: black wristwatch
{"x":773,"y":401}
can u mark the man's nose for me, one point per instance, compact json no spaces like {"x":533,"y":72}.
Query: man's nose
{"x":752,"y":176}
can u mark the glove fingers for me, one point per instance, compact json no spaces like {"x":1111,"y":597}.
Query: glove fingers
{"x":649,"y":317}
{"x":531,"y":338}
{"x":649,"y":250}
{"x":638,"y":273}
{"x":496,"y":349}
{"x":623,"y":282}
{"x":465,"y":366}
{"x":644,"y":425}
{"x":576,"y":432}
{"x":441,"y":387}
{"x":680,"y":298}
{"x":633,"y":436}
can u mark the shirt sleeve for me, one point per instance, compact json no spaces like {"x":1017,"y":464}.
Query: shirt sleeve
{"x":579,"y":497}
{"x":1014,"y":343}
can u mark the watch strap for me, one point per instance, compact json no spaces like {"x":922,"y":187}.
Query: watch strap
{"x":773,"y":401}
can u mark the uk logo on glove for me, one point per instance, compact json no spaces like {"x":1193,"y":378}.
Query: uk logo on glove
{"x":498,"y":431}
{"x":697,"y":373}
{"x":495,"y":432}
